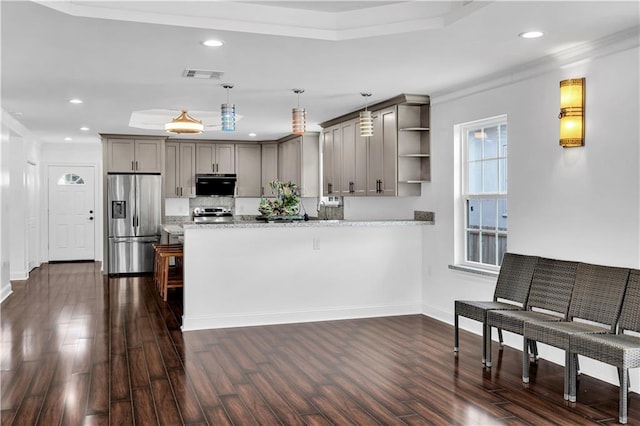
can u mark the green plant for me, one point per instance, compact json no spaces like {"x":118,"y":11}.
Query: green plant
{"x":286,"y":203}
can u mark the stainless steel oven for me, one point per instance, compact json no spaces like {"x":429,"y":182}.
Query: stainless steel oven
{"x":212,"y":215}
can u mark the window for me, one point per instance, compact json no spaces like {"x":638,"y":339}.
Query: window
{"x":70,"y":179}
{"x":484,"y":190}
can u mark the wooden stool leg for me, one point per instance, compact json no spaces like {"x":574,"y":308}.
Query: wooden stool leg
{"x":165,"y":281}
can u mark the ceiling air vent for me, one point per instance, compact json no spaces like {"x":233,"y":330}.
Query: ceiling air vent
{"x":203,"y":74}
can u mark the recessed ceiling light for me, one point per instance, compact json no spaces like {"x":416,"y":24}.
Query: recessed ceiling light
{"x":212,"y":43}
{"x":68,"y":139}
{"x":75,"y":101}
{"x":84,"y":128}
{"x":531,"y":34}
{"x":253,"y":135}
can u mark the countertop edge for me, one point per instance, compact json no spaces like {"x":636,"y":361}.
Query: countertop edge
{"x":308,"y":224}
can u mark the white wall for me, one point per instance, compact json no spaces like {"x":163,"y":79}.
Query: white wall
{"x":19,"y":148}
{"x":5,"y":160}
{"x":579,"y":204}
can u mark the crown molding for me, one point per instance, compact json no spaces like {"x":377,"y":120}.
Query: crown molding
{"x":613,"y":43}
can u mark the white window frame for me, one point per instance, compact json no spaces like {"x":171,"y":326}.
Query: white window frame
{"x":461,"y":240}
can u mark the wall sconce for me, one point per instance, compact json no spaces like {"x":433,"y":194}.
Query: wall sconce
{"x":299,"y":116}
{"x":572,"y":112}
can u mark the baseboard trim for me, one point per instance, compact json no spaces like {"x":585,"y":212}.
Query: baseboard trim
{"x":191,"y":323}
{"x":5,"y":292}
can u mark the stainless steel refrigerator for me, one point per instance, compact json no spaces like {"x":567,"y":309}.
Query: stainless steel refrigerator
{"x":134,"y":204}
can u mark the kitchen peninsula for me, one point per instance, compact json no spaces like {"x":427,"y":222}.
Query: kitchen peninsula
{"x":252,"y":273}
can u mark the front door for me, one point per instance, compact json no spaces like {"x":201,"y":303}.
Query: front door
{"x":71,"y":213}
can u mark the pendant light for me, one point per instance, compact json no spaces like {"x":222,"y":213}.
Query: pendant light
{"x":366,"y":121}
{"x":299,"y":116}
{"x":228,"y":112}
{"x":184,"y":124}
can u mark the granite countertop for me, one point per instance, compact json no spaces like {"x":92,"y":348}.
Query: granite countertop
{"x":307,"y":224}
{"x":173,"y":228}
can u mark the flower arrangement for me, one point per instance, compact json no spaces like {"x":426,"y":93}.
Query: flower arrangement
{"x":286,"y":203}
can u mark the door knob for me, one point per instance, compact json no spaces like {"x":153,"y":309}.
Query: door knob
{"x":90,"y":211}
{"x":90,"y":217}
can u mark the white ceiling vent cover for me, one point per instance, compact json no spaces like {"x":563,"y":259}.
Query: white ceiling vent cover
{"x":203,"y":74}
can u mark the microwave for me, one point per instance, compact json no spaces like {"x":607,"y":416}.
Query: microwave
{"x":219,"y":184}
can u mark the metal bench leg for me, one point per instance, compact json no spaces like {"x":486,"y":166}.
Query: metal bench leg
{"x":500,"y":337}
{"x":486,"y":345}
{"x":568,"y":366}
{"x":573,"y":359}
{"x":455,"y":333}
{"x":525,"y":360}
{"x":624,"y":393}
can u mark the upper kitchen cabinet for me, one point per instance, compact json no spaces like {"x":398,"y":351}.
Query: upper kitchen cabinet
{"x":331,"y":160}
{"x":382,"y":158}
{"x":269,"y":167}
{"x":298,"y":158}
{"x":395,"y":161}
{"x":344,"y":160}
{"x":353,"y":181}
{"x":414,"y":151}
{"x":248,"y":168}
{"x":215,"y":157}
{"x":134,"y":155}
{"x":180,"y":165}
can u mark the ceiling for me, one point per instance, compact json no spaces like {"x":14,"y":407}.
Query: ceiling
{"x":121,"y":57}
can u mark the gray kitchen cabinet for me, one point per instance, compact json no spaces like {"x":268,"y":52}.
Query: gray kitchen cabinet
{"x":414,"y":154}
{"x":269,"y":167}
{"x":298,"y":162}
{"x":134,"y":155}
{"x":215,"y":157}
{"x":248,"y":169}
{"x":353,"y":180}
{"x":180,"y":169}
{"x":382,"y":157}
{"x":331,"y":161}
{"x":395,"y":161}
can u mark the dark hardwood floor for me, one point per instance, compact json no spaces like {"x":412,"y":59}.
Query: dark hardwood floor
{"x":80,"y":349}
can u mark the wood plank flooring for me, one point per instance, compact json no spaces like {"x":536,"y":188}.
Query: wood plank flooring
{"x":80,"y":349}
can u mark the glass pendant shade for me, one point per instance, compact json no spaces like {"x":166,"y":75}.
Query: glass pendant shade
{"x":572,"y":112}
{"x":228,"y":112}
{"x":366,"y":123}
{"x":184,"y":124}
{"x":299,"y":121}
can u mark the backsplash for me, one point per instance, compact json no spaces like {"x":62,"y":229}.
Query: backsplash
{"x":227,"y":202}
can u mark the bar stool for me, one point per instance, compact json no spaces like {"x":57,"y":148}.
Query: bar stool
{"x":165,"y":276}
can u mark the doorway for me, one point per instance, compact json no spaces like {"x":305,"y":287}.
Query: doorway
{"x":71,"y":213}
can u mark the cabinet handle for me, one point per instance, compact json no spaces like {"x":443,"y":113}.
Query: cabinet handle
{"x":351,"y":190}
{"x":177,"y":191}
{"x":262,"y":190}
{"x":136,"y":165}
{"x":181,"y":191}
{"x":133,"y":166}
{"x":217,"y":167}
{"x":329,"y":188}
